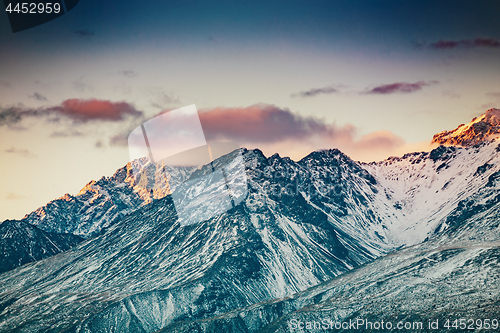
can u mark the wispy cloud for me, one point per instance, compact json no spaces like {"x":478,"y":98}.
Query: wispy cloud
{"x":20,"y":152}
{"x":120,"y":139}
{"x":128,"y":73}
{"x":80,"y":111}
{"x":466,"y":43}
{"x":66,"y":134}
{"x":80,"y":85}
{"x":84,"y":33}
{"x":418,"y":45}
{"x":160,"y":99}
{"x":316,"y":91}
{"x":13,"y":115}
{"x":400,"y":87}
{"x":38,"y":97}
{"x":493,"y":94}
{"x":14,"y":196}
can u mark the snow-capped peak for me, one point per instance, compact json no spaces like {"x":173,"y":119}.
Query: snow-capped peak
{"x":482,"y":128}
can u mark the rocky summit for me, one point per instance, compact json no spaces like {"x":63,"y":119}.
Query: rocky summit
{"x":479,"y":129}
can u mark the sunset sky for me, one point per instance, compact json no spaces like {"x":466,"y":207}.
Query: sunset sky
{"x":372,"y":78}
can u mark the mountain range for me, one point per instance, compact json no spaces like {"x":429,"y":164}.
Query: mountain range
{"x":410,"y":239}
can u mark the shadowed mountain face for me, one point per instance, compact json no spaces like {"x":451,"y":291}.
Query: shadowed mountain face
{"x":22,"y":243}
{"x":406,"y":239}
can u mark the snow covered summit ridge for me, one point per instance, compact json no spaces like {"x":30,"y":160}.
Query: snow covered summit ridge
{"x":480,"y":129}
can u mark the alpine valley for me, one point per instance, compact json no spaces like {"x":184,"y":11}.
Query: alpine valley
{"x":314,"y":243}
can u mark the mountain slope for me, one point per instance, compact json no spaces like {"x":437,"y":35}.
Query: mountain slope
{"x":426,"y":187}
{"x":452,"y":275}
{"x":21,"y":243}
{"x":147,"y":271}
{"x":415,"y":285}
{"x":64,"y":222}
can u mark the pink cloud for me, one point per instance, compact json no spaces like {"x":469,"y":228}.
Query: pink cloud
{"x":316,"y":91}
{"x":93,"y":109}
{"x":75,"y":109}
{"x":382,"y":140}
{"x":274,"y":129}
{"x":260,"y":123}
{"x":466,"y":43}
{"x":400,"y":87}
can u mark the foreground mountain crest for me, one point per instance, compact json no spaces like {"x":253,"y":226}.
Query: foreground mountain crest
{"x":479,"y":129}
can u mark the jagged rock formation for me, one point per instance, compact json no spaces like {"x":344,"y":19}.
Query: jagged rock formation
{"x":479,"y":129}
{"x":102,"y":202}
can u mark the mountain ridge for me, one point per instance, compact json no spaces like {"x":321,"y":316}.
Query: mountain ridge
{"x":100,"y":203}
{"x":302,"y":226}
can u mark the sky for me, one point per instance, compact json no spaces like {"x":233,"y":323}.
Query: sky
{"x":371,"y":78}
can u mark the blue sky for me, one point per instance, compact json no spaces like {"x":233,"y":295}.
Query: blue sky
{"x":372,"y":78}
